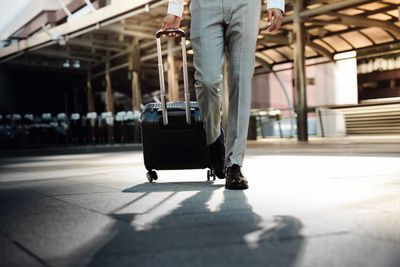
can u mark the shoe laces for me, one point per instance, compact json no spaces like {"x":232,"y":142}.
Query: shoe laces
{"x":234,"y":169}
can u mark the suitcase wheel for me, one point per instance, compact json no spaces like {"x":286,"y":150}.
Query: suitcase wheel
{"x":210,"y":174}
{"x":151,"y":176}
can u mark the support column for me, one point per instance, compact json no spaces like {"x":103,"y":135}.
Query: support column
{"x":109,"y":91}
{"x":300,"y":71}
{"x":90,"y":100}
{"x":134,"y":73}
{"x":134,"y":70}
{"x":173,"y":88}
{"x":109,"y":105}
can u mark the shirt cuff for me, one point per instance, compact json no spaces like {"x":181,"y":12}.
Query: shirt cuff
{"x":175,"y":9}
{"x":276,"y":4}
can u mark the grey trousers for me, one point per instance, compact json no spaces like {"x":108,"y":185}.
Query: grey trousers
{"x":216,"y":24}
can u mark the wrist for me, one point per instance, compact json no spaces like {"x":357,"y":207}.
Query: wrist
{"x":275,"y":8}
{"x":173,"y":15}
{"x":279,"y":4}
{"x":175,"y":9}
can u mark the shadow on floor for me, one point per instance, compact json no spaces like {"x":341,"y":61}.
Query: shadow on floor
{"x":182,"y":230}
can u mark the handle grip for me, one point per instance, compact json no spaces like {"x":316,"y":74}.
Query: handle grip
{"x":180,"y":32}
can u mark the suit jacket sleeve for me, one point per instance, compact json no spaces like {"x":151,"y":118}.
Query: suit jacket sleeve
{"x":276,"y":4}
{"x":175,"y":7}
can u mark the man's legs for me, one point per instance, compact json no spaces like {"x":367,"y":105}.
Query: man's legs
{"x":236,"y":21}
{"x":207,"y":38}
{"x":241,"y":38}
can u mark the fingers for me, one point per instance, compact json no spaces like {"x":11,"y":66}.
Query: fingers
{"x":269,"y":15}
{"x":272,"y":28}
{"x":278,"y":20}
{"x":170,"y":22}
{"x":164,"y":25}
{"x":278,"y":17}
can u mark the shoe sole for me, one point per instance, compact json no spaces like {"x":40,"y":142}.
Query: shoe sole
{"x":241,"y":187}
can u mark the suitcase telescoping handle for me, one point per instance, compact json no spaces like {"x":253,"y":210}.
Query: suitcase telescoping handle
{"x":180,"y":33}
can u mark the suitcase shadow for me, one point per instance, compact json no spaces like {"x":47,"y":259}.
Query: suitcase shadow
{"x":182,"y":229}
{"x":174,"y":186}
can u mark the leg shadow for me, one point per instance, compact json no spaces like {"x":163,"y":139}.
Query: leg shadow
{"x":196,"y":224}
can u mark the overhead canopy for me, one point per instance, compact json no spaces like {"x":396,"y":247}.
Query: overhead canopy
{"x":335,"y":27}
{"x":110,"y":32}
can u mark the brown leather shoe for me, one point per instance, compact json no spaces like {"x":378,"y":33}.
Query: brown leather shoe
{"x":217,"y":156}
{"x":235,"y":179}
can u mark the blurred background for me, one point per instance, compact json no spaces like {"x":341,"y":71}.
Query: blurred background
{"x":323,"y":162}
{"x":79,"y":72}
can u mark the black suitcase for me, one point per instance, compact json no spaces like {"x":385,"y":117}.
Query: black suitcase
{"x":173,"y":136}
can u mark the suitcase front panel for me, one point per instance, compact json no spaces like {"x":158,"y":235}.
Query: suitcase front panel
{"x":176,"y":145}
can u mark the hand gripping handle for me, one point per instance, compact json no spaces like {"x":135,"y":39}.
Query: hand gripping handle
{"x":180,"y":32}
{"x":161,"y":74}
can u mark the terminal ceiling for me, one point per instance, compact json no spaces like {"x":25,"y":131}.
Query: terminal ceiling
{"x":113,"y":32}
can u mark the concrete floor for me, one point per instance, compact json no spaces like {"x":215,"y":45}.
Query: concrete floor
{"x":332,"y":204}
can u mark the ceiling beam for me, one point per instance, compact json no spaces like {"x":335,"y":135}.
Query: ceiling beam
{"x":321,"y":50}
{"x":63,"y":54}
{"x":89,"y":44}
{"x":118,"y":28}
{"x":326,"y":8}
{"x":143,"y":59}
{"x":278,"y":38}
{"x":364,"y":22}
{"x":134,"y":27}
{"x":106,"y":42}
{"x":100,"y":18}
{"x":263,"y":57}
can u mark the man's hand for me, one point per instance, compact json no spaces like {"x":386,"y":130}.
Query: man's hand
{"x":171,"y":22}
{"x":277,"y":14}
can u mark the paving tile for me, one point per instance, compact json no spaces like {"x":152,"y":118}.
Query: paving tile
{"x":349,"y":250}
{"x":49,"y":228}
{"x":265,"y":254}
{"x":301,"y":210}
{"x":328,"y":250}
{"x":13,"y":255}
{"x":54,"y":187}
